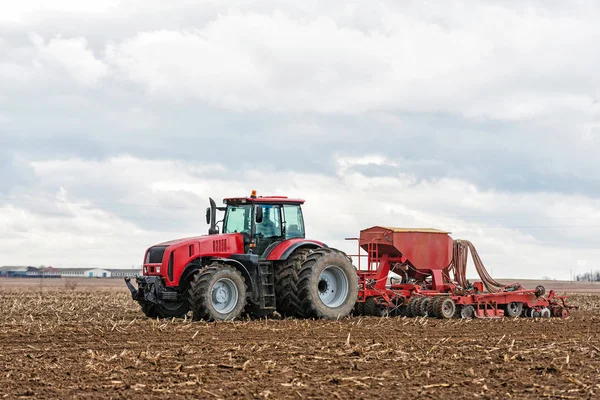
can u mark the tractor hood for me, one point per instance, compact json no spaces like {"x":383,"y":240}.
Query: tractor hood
{"x":194,"y":246}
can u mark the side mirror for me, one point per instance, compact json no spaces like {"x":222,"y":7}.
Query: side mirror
{"x":208,"y":215}
{"x":259,"y":214}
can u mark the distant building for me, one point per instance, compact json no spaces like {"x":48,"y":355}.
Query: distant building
{"x":84,"y":272}
{"x":49,"y":271}
{"x":14,"y":271}
{"x":52,"y":272}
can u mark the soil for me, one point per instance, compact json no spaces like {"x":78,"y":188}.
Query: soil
{"x":94,"y":342}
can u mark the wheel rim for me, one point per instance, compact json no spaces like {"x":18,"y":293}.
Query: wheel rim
{"x":513,"y":309}
{"x":545,"y":313}
{"x":467,"y":312}
{"x":448,"y":308}
{"x":333,"y":286}
{"x":224,"y":295}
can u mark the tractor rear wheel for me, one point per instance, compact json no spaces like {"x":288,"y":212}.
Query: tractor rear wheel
{"x":286,"y":283}
{"x":217,"y":293}
{"x":327,"y":284}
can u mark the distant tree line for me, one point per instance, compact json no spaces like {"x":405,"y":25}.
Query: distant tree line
{"x":589,"y":276}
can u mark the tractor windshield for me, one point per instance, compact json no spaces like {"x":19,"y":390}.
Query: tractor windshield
{"x":238,"y":219}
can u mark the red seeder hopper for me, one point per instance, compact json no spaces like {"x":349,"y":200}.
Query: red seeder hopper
{"x":422,"y":272}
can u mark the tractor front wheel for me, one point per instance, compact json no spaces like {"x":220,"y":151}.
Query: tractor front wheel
{"x":168,"y":310}
{"x":217,"y":293}
{"x":327,"y":284}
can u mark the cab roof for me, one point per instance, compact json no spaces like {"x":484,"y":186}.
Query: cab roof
{"x":262,"y":199}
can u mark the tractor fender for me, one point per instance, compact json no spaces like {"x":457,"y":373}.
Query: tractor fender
{"x":284,"y":249}
{"x":195,"y":266}
{"x":240,"y":267}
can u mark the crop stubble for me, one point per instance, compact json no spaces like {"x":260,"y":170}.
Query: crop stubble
{"x":96,"y":344}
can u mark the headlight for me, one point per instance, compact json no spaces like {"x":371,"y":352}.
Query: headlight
{"x":145,"y":270}
{"x":158,"y":270}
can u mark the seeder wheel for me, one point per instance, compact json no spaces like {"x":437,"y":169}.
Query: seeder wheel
{"x":416,"y":307}
{"x":514,"y":309}
{"x":359,"y":308}
{"x":467,"y":312}
{"x":432,"y":311}
{"x":370,"y":307}
{"x":424,"y":309}
{"x":445,"y":308}
{"x":545,"y":313}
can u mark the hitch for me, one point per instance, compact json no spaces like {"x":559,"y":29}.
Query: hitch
{"x":133,"y":291}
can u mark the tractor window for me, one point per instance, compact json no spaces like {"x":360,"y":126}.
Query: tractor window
{"x":294,"y":223}
{"x":237,"y":219}
{"x":270,"y":226}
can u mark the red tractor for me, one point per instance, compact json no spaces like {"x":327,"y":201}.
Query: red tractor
{"x":261,"y":262}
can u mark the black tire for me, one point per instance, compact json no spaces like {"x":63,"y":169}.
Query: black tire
{"x":200,"y":293}
{"x":286,"y":284}
{"x":457,"y":311}
{"x":416,"y":307}
{"x":359,"y":309}
{"x":170,"y":310}
{"x":424,"y":306}
{"x":310,"y":286}
{"x":412,"y":306}
{"x":433,"y":306}
{"x":149,"y":309}
{"x":513,"y":310}
{"x":370,"y":307}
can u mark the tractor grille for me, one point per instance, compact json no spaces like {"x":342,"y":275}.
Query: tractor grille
{"x":155,"y":255}
{"x":220,"y":246}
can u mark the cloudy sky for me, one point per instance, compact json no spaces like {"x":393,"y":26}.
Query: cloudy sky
{"x":118,"y":119}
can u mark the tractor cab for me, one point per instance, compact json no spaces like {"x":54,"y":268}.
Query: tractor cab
{"x":264,"y":222}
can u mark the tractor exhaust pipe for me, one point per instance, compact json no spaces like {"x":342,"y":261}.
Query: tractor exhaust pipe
{"x":211,"y":217}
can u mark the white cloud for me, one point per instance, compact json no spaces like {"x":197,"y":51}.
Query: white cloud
{"x":403,"y":61}
{"x":25,"y":10}
{"x":72,"y":56}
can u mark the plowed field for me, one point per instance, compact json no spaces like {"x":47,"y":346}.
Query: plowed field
{"x":95,"y":343}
